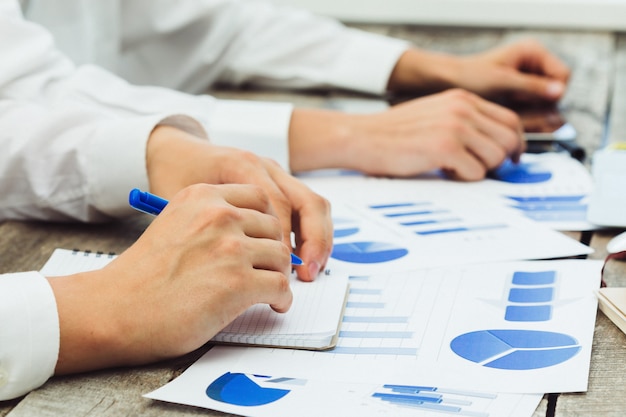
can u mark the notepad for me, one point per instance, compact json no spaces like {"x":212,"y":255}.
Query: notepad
{"x":311,"y":323}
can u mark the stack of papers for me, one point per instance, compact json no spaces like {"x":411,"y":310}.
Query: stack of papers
{"x":453,"y":307}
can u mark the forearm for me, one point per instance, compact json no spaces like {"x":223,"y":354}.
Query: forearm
{"x":89,"y":337}
{"x":320,"y":139}
{"x":423,"y":71}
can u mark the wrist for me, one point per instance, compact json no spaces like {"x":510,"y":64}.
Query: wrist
{"x":170,"y":156}
{"x":319,"y":139}
{"x":324,"y":139}
{"x":424,"y":71}
{"x":89,"y":336}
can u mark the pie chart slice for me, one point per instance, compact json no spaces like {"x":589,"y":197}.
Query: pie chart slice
{"x":239,"y":389}
{"x":520,"y":173}
{"x":367,"y":252}
{"x":344,"y":227}
{"x":515,"y":349}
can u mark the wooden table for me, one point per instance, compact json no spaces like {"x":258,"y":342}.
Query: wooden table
{"x":598,"y":84}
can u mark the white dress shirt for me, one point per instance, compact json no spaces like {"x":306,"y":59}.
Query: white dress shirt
{"x":189,"y":45}
{"x":73,"y":133}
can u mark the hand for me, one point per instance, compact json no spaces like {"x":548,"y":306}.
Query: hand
{"x":213,"y":252}
{"x":176,"y":159}
{"x":524,"y":70}
{"x":455,"y":131}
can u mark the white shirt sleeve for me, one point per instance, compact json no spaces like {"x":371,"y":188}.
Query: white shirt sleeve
{"x":29,"y":333}
{"x":191,"y":44}
{"x":74,"y":138}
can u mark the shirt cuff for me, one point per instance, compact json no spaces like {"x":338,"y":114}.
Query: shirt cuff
{"x":367,"y":63}
{"x":258,"y":127}
{"x":29,"y":335}
{"x":115,"y":161}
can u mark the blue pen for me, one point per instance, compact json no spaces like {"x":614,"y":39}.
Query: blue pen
{"x":152,"y":204}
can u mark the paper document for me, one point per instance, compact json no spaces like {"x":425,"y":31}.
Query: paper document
{"x":217,"y":382}
{"x":520,"y":327}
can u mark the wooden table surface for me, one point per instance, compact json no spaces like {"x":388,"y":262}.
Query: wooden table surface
{"x":597,"y":89}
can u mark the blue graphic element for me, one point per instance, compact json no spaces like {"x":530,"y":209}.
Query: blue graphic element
{"x":528,"y":313}
{"x":515,"y":349}
{"x":367,"y":252}
{"x":540,"y":207}
{"x":364,"y":304}
{"x":557,"y":216}
{"x":462,"y":229}
{"x":364,"y":350}
{"x":414,"y":213}
{"x":531,"y":295}
{"x":337,"y":233}
{"x":394,"y":205}
{"x":431,"y":398}
{"x":520,"y":173}
{"x":344,"y":227}
{"x":551,"y":208}
{"x":534,"y":278}
{"x":375,"y":319}
{"x":239,"y":389}
{"x":370,"y":334}
{"x":554,"y":199}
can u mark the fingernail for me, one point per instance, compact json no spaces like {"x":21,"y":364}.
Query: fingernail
{"x":314,"y":269}
{"x":555,"y":88}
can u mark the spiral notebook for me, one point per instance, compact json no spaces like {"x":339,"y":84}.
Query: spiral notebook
{"x":311,"y":323}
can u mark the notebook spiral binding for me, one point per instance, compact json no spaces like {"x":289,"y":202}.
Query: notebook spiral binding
{"x":87,"y":252}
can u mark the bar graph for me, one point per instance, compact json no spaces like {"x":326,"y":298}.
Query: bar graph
{"x":427,"y":218}
{"x":453,"y":402}
{"x":551,"y":208}
{"x":383,"y":317}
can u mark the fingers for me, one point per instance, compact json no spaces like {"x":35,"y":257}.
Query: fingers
{"x":312,"y":222}
{"x":535,"y":72}
{"x":502,"y":125}
{"x":487,"y":134}
{"x":270,"y":287}
{"x":253,"y":169}
{"x":544,"y":62}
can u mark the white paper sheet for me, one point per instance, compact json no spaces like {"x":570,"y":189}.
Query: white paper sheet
{"x":383,"y":226}
{"x":214,"y":382}
{"x":551,"y":188}
{"x":522,"y":327}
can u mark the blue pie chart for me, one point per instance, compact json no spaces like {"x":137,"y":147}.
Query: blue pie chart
{"x":367,"y":252}
{"x":515,"y":349}
{"x":520,"y":173}
{"x":239,"y":389}
{"x":344,"y":227}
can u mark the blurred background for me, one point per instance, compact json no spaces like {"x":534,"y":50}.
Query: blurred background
{"x":573,"y":14}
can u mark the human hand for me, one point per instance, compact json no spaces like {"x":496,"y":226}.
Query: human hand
{"x":524,"y":70}
{"x":455,"y":131}
{"x":176,"y":159}
{"x":212,"y":253}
